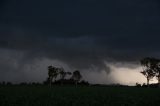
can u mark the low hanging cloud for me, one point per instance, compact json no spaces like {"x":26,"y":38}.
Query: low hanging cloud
{"x":15,"y":69}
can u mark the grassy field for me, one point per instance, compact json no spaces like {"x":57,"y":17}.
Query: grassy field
{"x":78,"y":96}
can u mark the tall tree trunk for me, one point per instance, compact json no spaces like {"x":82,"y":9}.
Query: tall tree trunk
{"x":147,"y":82}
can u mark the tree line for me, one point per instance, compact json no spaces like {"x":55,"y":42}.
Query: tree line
{"x":57,"y":75}
{"x":54,"y":72}
{"x":150,"y":69}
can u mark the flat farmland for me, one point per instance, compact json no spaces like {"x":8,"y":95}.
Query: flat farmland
{"x":78,"y":96}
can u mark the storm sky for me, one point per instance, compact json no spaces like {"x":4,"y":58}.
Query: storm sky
{"x":104,"y":39}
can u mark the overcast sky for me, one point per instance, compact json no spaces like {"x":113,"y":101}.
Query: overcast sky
{"x":104,"y":39}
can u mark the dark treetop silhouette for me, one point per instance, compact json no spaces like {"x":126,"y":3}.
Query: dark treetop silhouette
{"x":76,"y":76}
{"x":54,"y":72}
{"x":151,"y":68}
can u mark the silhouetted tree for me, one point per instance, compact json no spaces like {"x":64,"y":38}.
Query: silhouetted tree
{"x":148,"y":65}
{"x":52,"y":73}
{"x":156,"y":68}
{"x":76,"y":76}
{"x":154,"y":65}
{"x":63,"y":74}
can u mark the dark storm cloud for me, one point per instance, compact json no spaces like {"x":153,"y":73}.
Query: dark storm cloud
{"x":81,"y":33}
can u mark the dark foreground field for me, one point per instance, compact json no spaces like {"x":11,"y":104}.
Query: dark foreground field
{"x":80,"y":96}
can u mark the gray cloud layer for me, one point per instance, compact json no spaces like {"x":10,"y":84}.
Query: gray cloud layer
{"x":81,"y":33}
